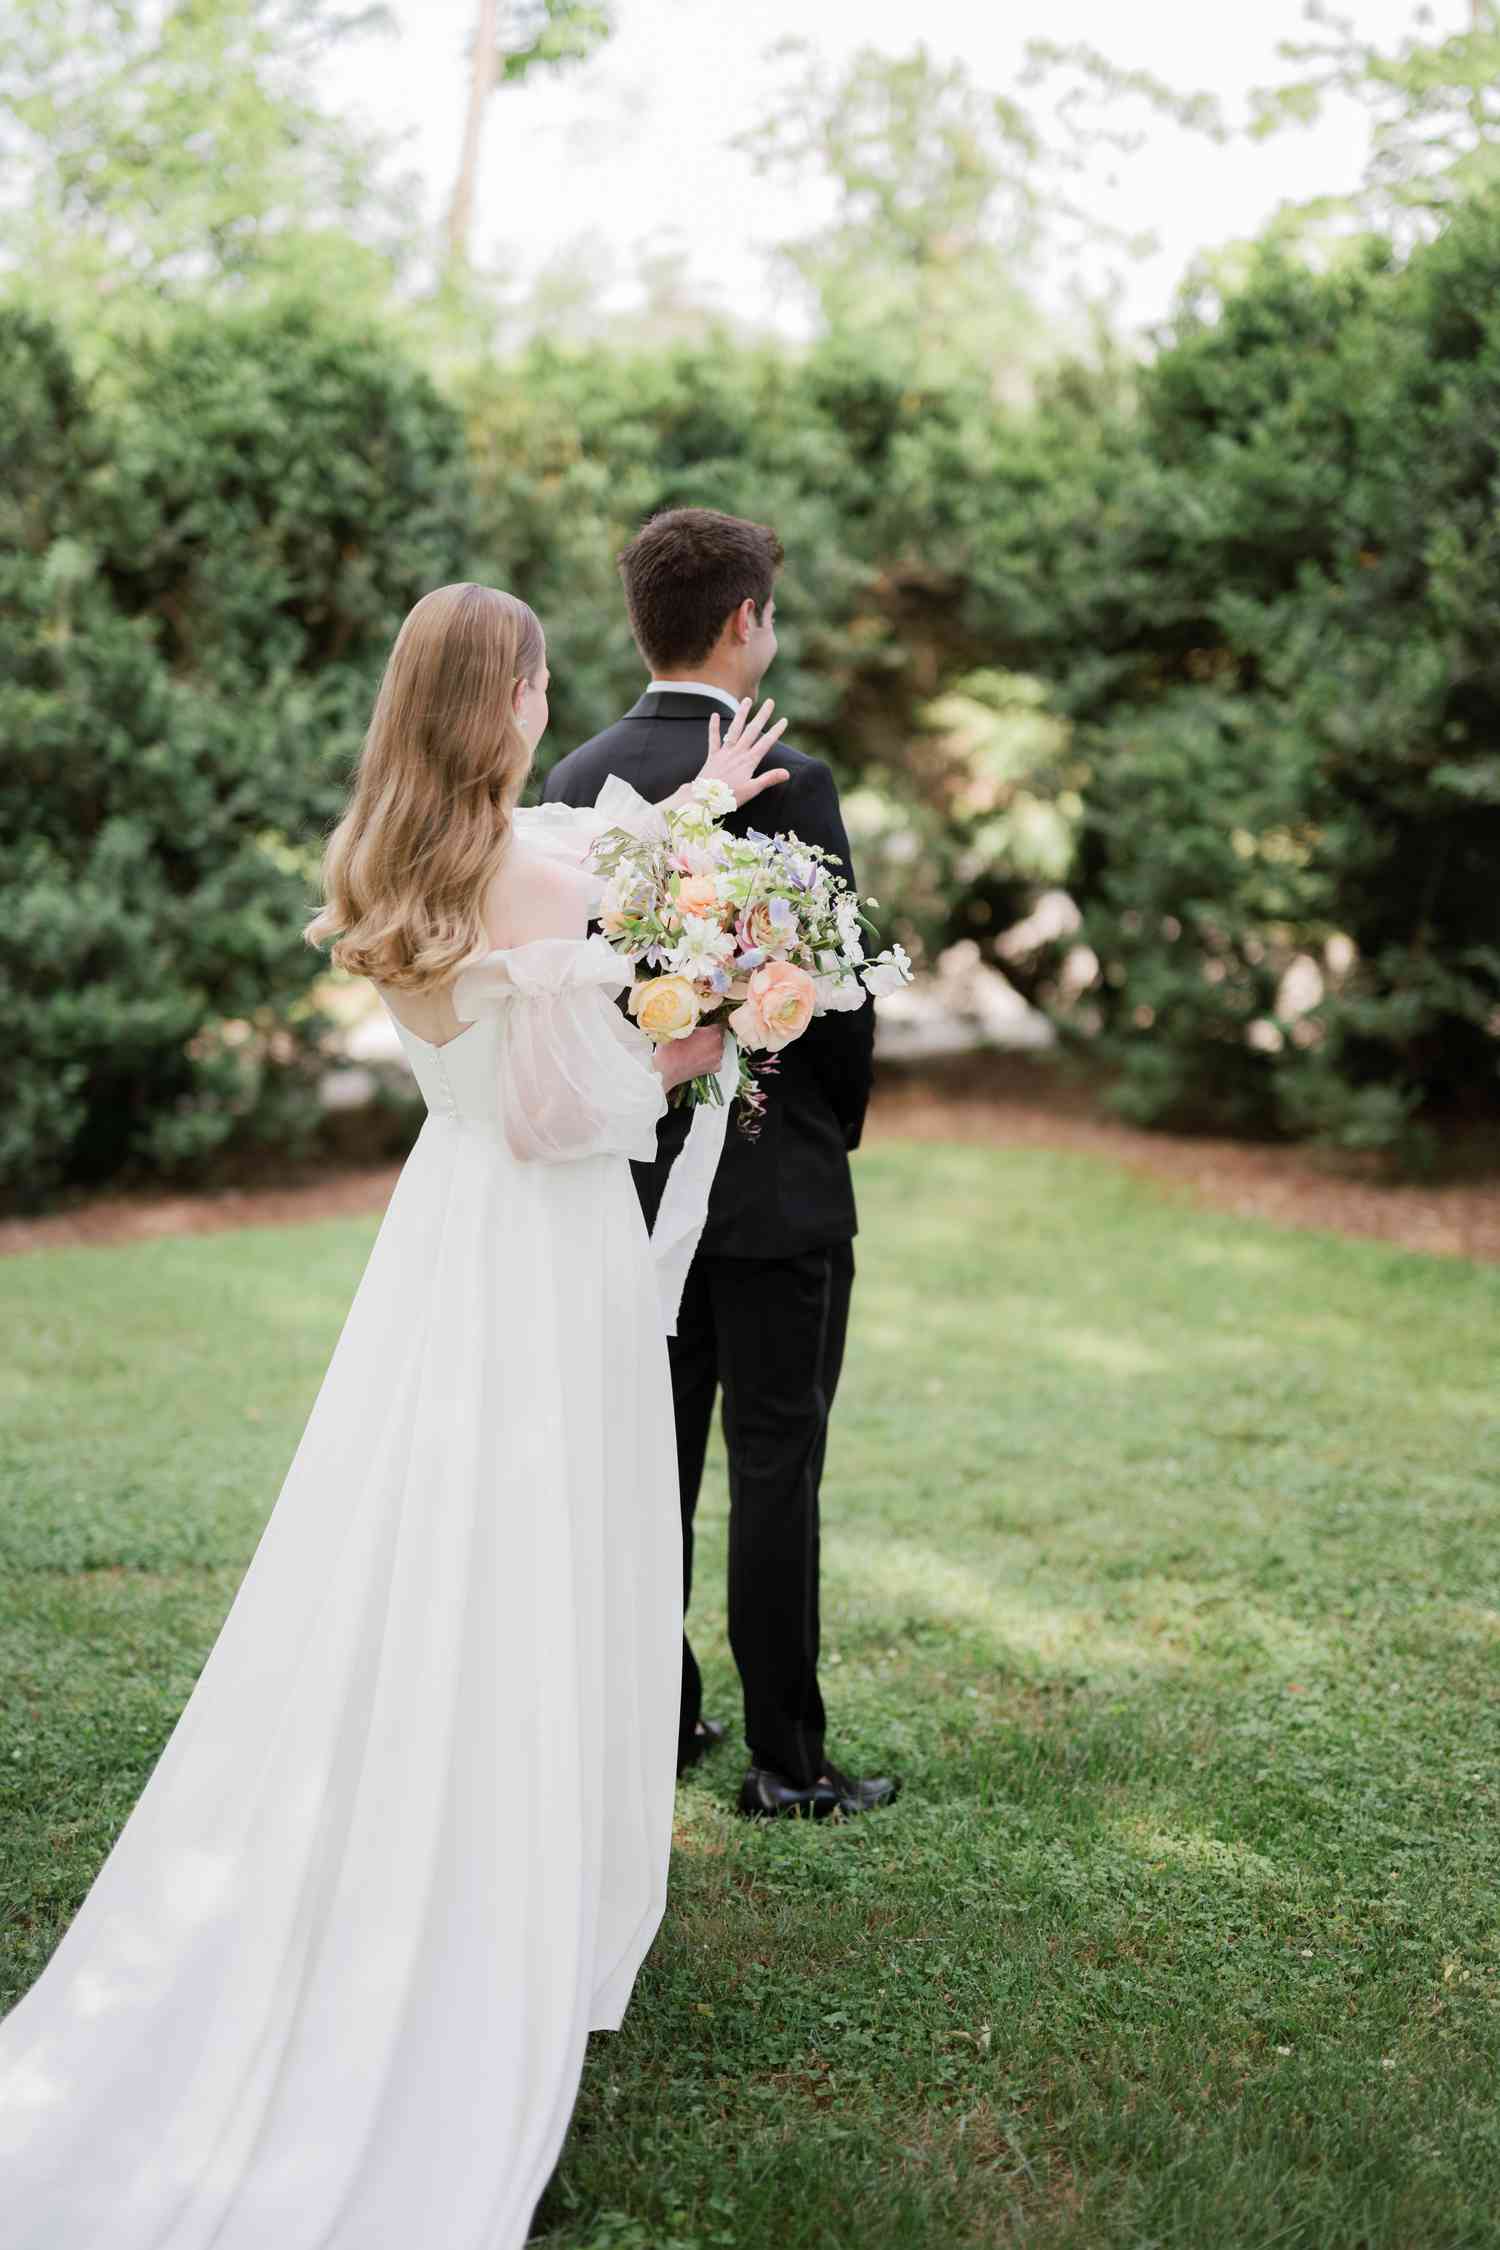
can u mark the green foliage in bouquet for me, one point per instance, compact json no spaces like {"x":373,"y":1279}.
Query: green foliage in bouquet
{"x":202,"y":561}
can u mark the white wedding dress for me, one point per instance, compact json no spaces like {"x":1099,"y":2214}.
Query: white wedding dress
{"x":408,"y":1843}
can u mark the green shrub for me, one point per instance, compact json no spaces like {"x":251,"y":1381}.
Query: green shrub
{"x":1259,"y":579}
{"x":1270,"y":602}
{"x":874,"y":484}
{"x":200,"y":579}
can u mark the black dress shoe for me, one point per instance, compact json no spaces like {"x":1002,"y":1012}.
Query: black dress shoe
{"x":765,"y":1795}
{"x":707,"y":1736}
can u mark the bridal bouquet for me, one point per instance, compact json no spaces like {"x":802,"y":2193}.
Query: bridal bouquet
{"x":755,"y":932}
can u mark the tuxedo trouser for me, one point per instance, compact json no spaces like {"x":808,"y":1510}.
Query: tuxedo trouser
{"x":769,"y":1333}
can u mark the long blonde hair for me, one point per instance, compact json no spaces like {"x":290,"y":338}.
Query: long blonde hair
{"x":406,"y":870}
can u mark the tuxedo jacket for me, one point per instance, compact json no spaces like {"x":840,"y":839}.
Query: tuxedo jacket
{"x":788,"y":1190}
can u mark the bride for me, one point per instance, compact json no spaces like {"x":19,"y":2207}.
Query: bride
{"x":408,"y":1844}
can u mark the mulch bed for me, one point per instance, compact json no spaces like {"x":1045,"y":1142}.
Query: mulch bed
{"x":1013,"y":1103}
{"x":996,"y":1101}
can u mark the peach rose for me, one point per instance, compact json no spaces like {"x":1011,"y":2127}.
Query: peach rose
{"x":697,"y":894}
{"x":777,"y":1008}
{"x":664,"y":1007}
{"x":760,"y":928}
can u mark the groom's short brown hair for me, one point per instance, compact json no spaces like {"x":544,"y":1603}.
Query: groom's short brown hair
{"x":685,"y":571}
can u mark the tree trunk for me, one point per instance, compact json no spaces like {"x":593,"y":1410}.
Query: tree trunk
{"x":483,"y":66}
{"x":1479,"y":10}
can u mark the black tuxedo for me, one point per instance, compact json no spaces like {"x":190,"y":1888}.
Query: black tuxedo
{"x":766,"y":1304}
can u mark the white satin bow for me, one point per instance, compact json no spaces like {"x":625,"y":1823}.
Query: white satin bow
{"x":619,"y":806}
{"x":683,"y":1209}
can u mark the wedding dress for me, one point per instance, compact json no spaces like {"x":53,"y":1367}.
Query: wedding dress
{"x":408,"y":1843}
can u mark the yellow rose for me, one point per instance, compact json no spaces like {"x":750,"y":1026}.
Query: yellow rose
{"x":665,"y":1007}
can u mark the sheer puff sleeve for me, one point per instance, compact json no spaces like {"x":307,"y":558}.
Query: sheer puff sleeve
{"x":568,"y":833}
{"x":565,"y":834}
{"x":576,"y":1078}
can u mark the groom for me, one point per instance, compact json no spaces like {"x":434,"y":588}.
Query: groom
{"x":766,"y":1305}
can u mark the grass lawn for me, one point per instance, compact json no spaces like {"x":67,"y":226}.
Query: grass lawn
{"x":1161,"y":1560}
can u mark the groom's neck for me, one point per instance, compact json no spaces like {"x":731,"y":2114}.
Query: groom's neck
{"x":712,"y":674}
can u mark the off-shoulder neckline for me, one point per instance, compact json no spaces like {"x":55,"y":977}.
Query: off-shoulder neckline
{"x":482,"y":961}
{"x":527,"y":945}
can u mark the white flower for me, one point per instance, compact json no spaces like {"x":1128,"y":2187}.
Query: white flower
{"x":627,"y":892}
{"x":846,"y":914}
{"x":888,"y":973}
{"x":701,"y":947}
{"x":716,"y":798}
{"x":706,"y":804}
{"x":838,"y":995}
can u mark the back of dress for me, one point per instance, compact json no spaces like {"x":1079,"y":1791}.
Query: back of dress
{"x":408,"y":1843}
{"x":547,"y":1068}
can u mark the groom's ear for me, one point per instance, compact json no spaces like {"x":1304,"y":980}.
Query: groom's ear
{"x":742,"y":621}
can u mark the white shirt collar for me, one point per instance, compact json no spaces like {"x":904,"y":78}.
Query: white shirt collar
{"x":691,"y":687}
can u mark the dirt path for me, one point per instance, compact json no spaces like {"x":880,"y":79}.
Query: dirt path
{"x":996,"y":1104}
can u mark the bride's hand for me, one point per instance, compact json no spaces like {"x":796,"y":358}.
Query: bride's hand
{"x":697,"y":1056}
{"x":735,"y":759}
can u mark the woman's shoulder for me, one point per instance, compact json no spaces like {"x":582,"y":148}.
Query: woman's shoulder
{"x":561,"y":831}
{"x":535,"y":895}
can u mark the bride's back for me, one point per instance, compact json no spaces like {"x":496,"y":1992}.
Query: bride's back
{"x":532,"y":896}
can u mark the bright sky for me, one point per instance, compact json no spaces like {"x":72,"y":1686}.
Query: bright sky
{"x":628,"y":153}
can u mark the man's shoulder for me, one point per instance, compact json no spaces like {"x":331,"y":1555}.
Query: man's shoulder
{"x":808,"y":779}
{"x":589,"y":763}
{"x":800,"y":764}
{"x":608,"y":738}
{"x":661,"y":755}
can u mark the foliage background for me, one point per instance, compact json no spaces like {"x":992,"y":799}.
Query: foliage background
{"x":1206,"y":639}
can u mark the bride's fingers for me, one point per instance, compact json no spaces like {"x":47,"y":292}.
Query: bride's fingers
{"x":757,"y":725}
{"x":751,"y":748}
{"x":748,"y":740}
{"x":737,"y":723}
{"x":746,"y":729}
{"x":760,"y":781}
